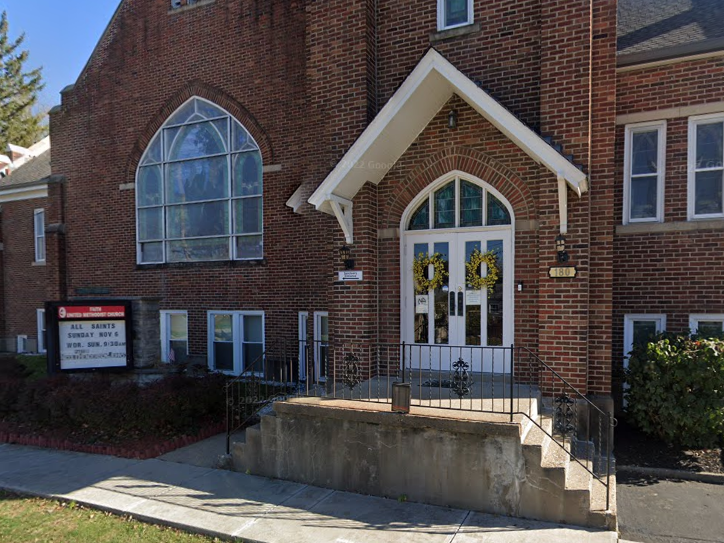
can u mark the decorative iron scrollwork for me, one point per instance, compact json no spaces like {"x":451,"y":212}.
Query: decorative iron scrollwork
{"x":351,"y":373}
{"x":563,"y":422}
{"x":461,"y":380}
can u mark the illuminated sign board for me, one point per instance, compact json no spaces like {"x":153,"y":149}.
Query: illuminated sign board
{"x":87,"y":335}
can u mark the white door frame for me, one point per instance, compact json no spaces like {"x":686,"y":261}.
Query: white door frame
{"x":407,"y":239}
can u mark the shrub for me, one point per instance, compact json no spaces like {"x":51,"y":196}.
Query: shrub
{"x":676,"y":389}
{"x":102,"y":408}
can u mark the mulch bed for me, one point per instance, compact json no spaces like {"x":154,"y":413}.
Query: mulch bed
{"x":634,"y":448}
{"x":143,"y":448}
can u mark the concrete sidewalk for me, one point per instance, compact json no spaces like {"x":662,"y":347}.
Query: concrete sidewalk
{"x":234,"y":505}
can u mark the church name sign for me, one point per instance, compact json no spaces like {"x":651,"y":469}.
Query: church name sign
{"x":87,"y":336}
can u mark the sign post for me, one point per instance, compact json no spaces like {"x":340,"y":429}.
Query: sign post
{"x":89,"y":336}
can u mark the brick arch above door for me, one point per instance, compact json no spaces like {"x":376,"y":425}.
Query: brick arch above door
{"x":466,"y":160}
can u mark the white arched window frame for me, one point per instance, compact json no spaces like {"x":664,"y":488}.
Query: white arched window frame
{"x":199,"y":189}
{"x":457,"y":200}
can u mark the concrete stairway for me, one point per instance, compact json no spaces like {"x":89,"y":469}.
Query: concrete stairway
{"x":580,"y":497}
{"x":542,"y":482}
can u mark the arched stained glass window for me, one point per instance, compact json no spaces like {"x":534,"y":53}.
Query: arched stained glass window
{"x":459,"y":204}
{"x":199,"y":189}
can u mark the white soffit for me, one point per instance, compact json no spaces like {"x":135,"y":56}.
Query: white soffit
{"x":425,"y":91}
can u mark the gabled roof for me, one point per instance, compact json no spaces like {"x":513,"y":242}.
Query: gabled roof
{"x":658,"y":29}
{"x":421,"y":96}
{"x":36,"y":169}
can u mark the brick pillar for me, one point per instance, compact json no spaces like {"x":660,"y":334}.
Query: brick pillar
{"x":353,"y":311}
{"x":565,"y":109}
{"x":146,"y":332}
{"x":55,"y":257}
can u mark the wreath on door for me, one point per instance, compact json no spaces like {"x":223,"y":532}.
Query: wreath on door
{"x":473,"y":276}
{"x":419,"y":270}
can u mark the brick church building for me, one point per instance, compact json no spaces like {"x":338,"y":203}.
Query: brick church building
{"x":214,"y":156}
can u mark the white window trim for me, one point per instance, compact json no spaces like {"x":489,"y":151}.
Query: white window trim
{"x":39,"y":237}
{"x":237,"y":335}
{"x":441,"y":16}
{"x":303,"y":330}
{"x":631,"y":129}
{"x":318,"y":342}
{"x":40,"y":320}
{"x":21,"y":343}
{"x":166,"y":331}
{"x":628,"y":322}
{"x":695,"y":319}
{"x":233,"y":253}
{"x":691,"y":189}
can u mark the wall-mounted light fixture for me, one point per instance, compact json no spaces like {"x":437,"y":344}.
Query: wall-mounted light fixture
{"x":344,"y":254}
{"x":452,"y":119}
{"x":561,"y":248}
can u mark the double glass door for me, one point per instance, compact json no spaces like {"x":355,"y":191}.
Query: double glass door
{"x":455,"y":319}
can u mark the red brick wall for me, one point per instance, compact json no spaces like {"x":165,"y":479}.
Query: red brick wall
{"x":304,"y":78}
{"x":671,"y":273}
{"x":250,"y":58}
{"x":25,"y":281}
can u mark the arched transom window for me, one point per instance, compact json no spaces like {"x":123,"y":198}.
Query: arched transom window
{"x":199,"y":189}
{"x":459,"y":204}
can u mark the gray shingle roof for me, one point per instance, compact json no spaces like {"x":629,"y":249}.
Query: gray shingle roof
{"x":34,"y":170}
{"x":668,"y":26}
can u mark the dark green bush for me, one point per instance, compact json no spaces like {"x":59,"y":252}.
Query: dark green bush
{"x":100,"y":408}
{"x":676,"y":390}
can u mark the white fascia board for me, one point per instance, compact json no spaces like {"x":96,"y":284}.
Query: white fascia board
{"x":421,"y":96}
{"x":527,"y":140}
{"x":23,"y":193}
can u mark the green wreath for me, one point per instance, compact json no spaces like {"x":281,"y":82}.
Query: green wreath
{"x":473,"y":277}
{"x":419,"y":271}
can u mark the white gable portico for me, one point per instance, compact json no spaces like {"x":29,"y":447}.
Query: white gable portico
{"x":425,"y":91}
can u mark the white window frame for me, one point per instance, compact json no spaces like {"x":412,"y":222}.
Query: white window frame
{"x":303,"y":338}
{"x":166,"y":332}
{"x":691,"y":189}
{"x":237,"y":335}
{"x":631,"y":129}
{"x":21,"y":344}
{"x":233,"y":253}
{"x":39,"y":236}
{"x":695,"y":319}
{"x":441,"y":15}
{"x":318,"y":315}
{"x":40,"y":320}
{"x":628,"y":330}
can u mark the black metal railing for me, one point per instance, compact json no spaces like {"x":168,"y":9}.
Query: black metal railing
{"x":510,"y":381}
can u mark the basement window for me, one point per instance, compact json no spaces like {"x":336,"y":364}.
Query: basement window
{"x":639,"y":330}
{"x":454,"y":13}
{"x":707,"y":325}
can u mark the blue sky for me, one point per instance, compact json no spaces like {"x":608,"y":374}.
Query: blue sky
{"x":60,"y":36}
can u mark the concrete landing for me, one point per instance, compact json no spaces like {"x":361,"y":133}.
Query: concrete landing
{"x":234,"y":505}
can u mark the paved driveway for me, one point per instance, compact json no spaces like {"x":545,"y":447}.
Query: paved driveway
{"x":654,"y":510}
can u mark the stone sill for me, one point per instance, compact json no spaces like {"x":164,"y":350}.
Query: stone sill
{"x":441,"y":35}
{"x":38,"y":263}
{"x":215,"y":264}
{"x":669,"y":227}
{"x":198,"y":4}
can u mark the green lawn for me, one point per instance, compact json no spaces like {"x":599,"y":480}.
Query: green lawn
{"x":44,"y":521}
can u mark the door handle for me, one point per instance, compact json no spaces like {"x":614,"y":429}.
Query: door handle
{"x":452,"y":303}
{"x":461,"y":304}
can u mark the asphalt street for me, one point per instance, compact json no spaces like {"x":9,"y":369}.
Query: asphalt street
{"x":655,"y":510}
